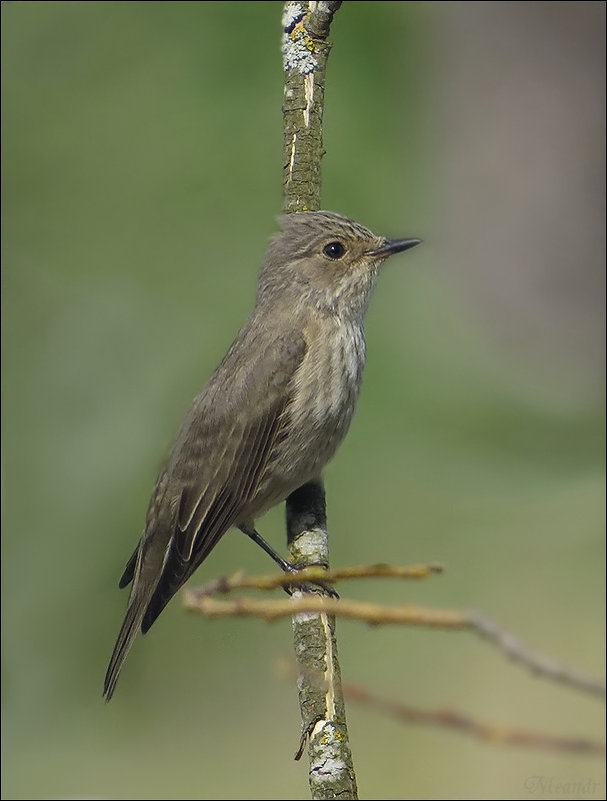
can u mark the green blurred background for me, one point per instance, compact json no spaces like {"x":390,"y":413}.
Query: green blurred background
{"x":141,"y":178}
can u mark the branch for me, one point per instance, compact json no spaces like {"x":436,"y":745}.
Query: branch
{"x":409,"y":615}
{"x":488,"y":732}
{"x":312,"y":574}
{"x":538,"y":664}
{"x":305,"y":52}
{"x":492,"y":733}
{"x":323,"y":711}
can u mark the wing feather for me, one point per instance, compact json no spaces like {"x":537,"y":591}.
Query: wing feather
{"x":213,"y":473}
{"x":205,"y":514}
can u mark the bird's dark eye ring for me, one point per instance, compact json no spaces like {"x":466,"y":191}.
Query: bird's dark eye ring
{"x":334,"y":250}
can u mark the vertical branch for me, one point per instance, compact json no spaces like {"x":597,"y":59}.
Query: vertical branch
{"x":305,"y":53}
{"x":321,"y":699}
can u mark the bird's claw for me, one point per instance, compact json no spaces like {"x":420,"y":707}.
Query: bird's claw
{"x":317,"y":587}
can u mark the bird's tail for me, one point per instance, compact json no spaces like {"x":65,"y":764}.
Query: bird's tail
{"x":128,"y":632}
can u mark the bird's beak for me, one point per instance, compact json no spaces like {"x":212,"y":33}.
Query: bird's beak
{"x":391,"y":246}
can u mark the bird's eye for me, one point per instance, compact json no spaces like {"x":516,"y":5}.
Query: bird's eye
{"x":334,"y":250}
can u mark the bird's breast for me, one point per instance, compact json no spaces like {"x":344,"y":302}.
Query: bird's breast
{"x":332,"y":376}
{"x":325,"y":391}
{"x":323,"y":397}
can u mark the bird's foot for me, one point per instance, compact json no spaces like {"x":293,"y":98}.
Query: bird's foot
{"x":317,"y":587}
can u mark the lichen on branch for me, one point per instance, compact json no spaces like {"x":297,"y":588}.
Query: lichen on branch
{"x":305,"y":50}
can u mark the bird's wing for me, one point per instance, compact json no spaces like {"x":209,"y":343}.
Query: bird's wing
{"x":220,"y":457}
{"x":213,"y":473}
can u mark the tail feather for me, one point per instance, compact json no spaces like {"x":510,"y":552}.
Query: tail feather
{"x":128,"y":632}
{"x":129,"y":570}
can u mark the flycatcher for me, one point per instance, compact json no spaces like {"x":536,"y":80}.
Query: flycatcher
{"x":272,"y":414}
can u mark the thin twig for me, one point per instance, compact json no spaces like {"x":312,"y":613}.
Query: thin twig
{"x":240,"y":581}
{"x":376,"y":614}
{"x":496,"y":734}
{"x":273,"y":609}
{"x":538,"y":664}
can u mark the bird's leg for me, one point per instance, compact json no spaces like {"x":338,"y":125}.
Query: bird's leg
{"x":257,"y":538}
{"x":306,"y":510}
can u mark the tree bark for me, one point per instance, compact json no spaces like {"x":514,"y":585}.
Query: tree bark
{"x":305,"y":52}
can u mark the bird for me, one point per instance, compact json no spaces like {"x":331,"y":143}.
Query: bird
{"x":271,"y":415}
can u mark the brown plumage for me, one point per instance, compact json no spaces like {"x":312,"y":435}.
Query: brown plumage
{"x":271,"y":415}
